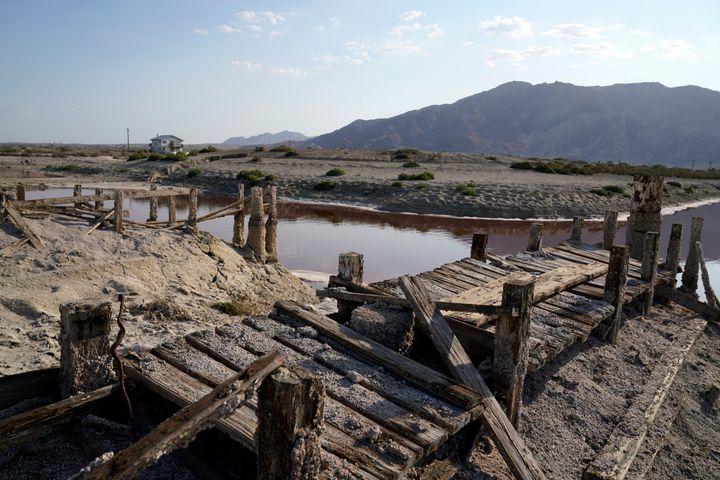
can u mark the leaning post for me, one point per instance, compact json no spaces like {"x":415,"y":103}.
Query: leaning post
{"x":535,"y":240}
{"x":118,"y":211}
{"x":191,"y":225}
{"x":478,"y":251}
{"x":614,"y":292}
{"x":271,"y":226}
{"x":511,"y":344}
{"x":648,"y":271}
{"x":98,"y":201}
{"x":239,"y":218}
{"x":610,"y":228}
{"x":20,"y":192}
{"x":290,"y":424}
{"x":672,"y":260}
{"x":692,"y":264}
{"x":577,"y":229}
{"x":153,"y":204}
{"x":85,"y":361}
{"x":77,"y":192}
{"x":645,"y":209}
{"x":256,"y":225}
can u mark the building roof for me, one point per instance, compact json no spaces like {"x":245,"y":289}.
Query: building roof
{"x":167,"y":137}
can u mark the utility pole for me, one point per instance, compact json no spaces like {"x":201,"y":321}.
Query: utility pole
{"x":128,"y":139}
{"x":693,"y":164}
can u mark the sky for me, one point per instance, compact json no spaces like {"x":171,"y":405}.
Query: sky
{"x":82,"y":71}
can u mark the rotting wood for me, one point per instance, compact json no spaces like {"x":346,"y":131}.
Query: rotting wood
{"x":651,"y":243}
{"x":20,"y":193}
{"x":478,"y":250}
{"x":672,"y":260}
{"x":350,"y":269}
{"x":118,"y":211}
{"x":645,"y":210}
{"x":614,"y":292}
{"x":181,"y":428}
{"x":692,"y":264}
{"x":192,"y":220}
{"x":77,"y":193}
{"x":23,"y":226}
{"x":256,"y":224}
{"x":290,"y":422}
{"x":609,"y":229}
{"x":153,"y":204}
{"x":615,"y":458}
{"x":41,"y":202}
{"x":535,"y":238}
{"x":577,"y":229}
{"x":98,"y":195}
{"x":239,"y":218}
{"x":271,"y":226}
{"x":47,"y":419}
{"x":172,"y":210}
{"x":511,"y":345}
{"x":511,"y":446}
{"x":102,"y":220}
{"x":712,"y":299}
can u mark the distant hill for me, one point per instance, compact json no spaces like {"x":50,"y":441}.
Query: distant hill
{"x":265,"y":139}
{"x":635,"y":123}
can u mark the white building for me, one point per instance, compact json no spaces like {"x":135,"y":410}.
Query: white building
{"x":166,"y":144}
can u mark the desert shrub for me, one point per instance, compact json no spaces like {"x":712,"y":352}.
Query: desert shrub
{"x":404,"y":153}
{"x":579,"y":167}
{"x":689,"y":189}
{"x":176,"y":157}
{"x":209,"y":149}
{"x":325,"y":185}
{"x":466,"y":189}
{"x":675,"y":184}
{"x":236,"y":307}
{"x":137,"y":155}
{"x":411,"y":165}
{"x":523,"y":166}
{"x":544,"y":168}
{"x":259,"y":148}
{"x":156,"y":156}
{"x":335,"y":172}
{"x":614,"y":189}
{"x":281,"y":148}
{"x":194,"y":172}
{"x":256,"y":177}
{"x":416,"y":176}
{"x":397,"y":184}
{"x":292,"y":153}
{"x":193,"y":153}
{"x":600,"y":191}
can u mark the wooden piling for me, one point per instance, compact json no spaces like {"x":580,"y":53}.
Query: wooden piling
{"x":610,"y":228}
{"x":256,"y":225}
{"x":672,"y":261}
{"x":77,"y":192}
{"x":648,"y":271}
{"x":239,"y":219}
{"x":271,"y":226}
{"x":511,"y":345}
{"x":692,"y":264}
{"x":645,"y":207}
{"x":153,"y":205}
{"x":20,"y":192}
{"x":172,"y":212}
{"x":615,"y":287}
{"x":290,"y":424}
{"x":191,"y":224}
{"x":3,"y":199}
{"x":85,"y":361}
{"x":535,"y":240}
{"x":577,"y":229}
{"x":478,"y":251}
{"x":350,"y":269}
{"x":98,"y":203}
{"x":118,"y":211}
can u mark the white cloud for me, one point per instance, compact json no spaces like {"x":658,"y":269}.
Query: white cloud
{"x":401,"y":30}
{"x":335,"y":22}
{"x":245,"y":65}
{"x":512,"y":26}
{"x":276,"y":33}
{"x":516,"y":57}
{"x":410,"y":15}
{"x":602,"y":51}
{"x":399,"y":48}
{"x":433,"y":30}
{"x":326,"y":59}
{"x":355,"y":46}
{"x":251,"y":16}
{"x":319,"y":28}
{"x":574,"y":30}
{"x":670,"y":49}
{"x":289,"y":72}
{"x":201,"y":31}
{"x":256,"y":28}
{"x":468,"y":43}
{"x":228,"y":29}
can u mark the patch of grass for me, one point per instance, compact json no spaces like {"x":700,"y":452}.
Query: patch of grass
{"x":690,"y":189}
{"x":75,"y":168}
{"x":335,"y":172}
{"x":281,"y":149}
{"x":466,"y":189}
{"x":137,"y":155}
{"x":194,"y":172}
{"x":209,"y":149}
{"x":411,"y":165}
{"x":292,"y":153}
{"x":397,"y":184}
{"x":523,"y":166}
{"x":235,"y":307}
{"x":416,"y":176}
{"x":601,"y":192}
{"x":614,"y":189}
{"x":325,"y":185}
{"x":256,"y":177}
{"x":675,"y":184}
{"x":580,"y":167}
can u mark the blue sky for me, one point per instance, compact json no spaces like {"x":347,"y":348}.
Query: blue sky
{"x":84,"y":70}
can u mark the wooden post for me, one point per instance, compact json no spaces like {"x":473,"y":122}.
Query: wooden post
{"x":511,"y":345}
{"x":98,"y":203}
{"x":153,"y":205}
{"x":645,"y":206}
{"x":77,"y":192}
{"x":20,"y":192}
{"x":256,"y":226}
{"x":648,"y":271}
{"x":271,"y":226}
{"x":535,"y":241}
{"x":119,"y":211}
{"x":672,"y":261}
{"x":191,"y":224}
{"x":172,"y":215}
{"x":3,"y":199}
{"x":239,"y":219}
{"x":615,"y":287}
{"x":692,"y":264}
{"x":290,"y":423}
{"x":577,"y":229}
{"x":350,"y":268}
{"x":85,"y":361}
{"x":478,"y":251}
{"x":610,"y":228}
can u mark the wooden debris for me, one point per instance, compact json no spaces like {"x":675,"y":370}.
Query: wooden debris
{"x":181,"y":428}
{"x":712,"y":299}
{"x":239,"y":218}
{"x":689,"y":302}
{"x":609,"y":229}
{"x":692,"y":264}
{"x":614,"y":292}
{"x":350,"y":269}
{"x":616,"y":457}
{"x":42,"y":202}
{"x":577,"y":229}
{"x":23,"y":226}
{"x":672,"y":260}
{"x":102,"y":220}
{"x":645,"y":208}
{"x":478,"y":251}
{"x":20,"y":192}
{"x":172,"y":211}
{"x":535,"y":239}
{"x":99,"y":195}
{"x":77,"y":193}
{"x":651,"y":243}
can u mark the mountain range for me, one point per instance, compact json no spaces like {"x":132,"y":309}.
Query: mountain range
{"x":645,"y":123}
{"x":265,"y":139}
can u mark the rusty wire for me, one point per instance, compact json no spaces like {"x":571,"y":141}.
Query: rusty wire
{"x":119,"y":367}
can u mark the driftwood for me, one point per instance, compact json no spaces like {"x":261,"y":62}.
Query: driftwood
{"x":8,"y":250}
{"x":99,"y":198}
{"x":689,"y":302}
{"x":712,"y":299}
{"x":180,"y":429}
{"x":22,"y":226}
{"x":102,"y":220}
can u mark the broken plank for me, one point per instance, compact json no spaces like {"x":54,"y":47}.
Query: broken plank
{"x":8,"y":250}
{"x":23,"y":226}
{"x":488,"y":294}
{"x":689,"y":302}
{"x":102,"y":219}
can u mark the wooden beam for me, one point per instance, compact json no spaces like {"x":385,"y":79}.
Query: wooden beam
{"x":102,"y":220}
{"x":44,"y":420}
{"x":118,"y":211}
{"x":478,"y":250}
{"x":609,"y":229}
{"x":614,"y":292}
{"x":689,"y":302}
{"x":535,"y":238}
{"x":355,"y":287}
{"x":239,"y":218}
{"x":513,"y":449}
{"x":23,"y":226}
{"x":577,"y":229}
{"x":95,"y":198}
{"x":651,"y":243}
{"x":180,"y":429}
{"x":672,"y":260}
{"x":692,"y":264}
{"x":710,"y":296}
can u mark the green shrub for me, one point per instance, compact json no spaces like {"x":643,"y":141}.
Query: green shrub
{"x":416,"y":176}
{"x":544,"y":168}
{"x":675,"y":184}
{"x":579,"y":167}
{"x":259,"y":148}
{"x":137,"y":156}
{"x":176,"y":157}
{"x":397,"y":184}
{"x":281,"y":148}
{"x":255,"y":177}
{"x":208,"y":149}
{"x":614,"y":189}
{"x":292,"y":153}
{"x":600,"y":191}
{"x":523,"y":166}
{"x":194,"y":172}
{"x":193,"y":153}
{"x":411,"y":165}
{"x":335,"y":172}
{"x":156,"y":156}
{"x":325,"y":185}
{"x":404,"y":153}
{"x":466,"y":189}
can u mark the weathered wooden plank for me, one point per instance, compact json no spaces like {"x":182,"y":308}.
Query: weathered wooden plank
{"x":23,"y":226}
{"x":44,"y":420}
{"x":615,"y":458}
{"x":102,"y":219}
{"x":98,"y":198}
{"x":689,"y":302}
{"x":439,"y":280}
{"x":488,"y":294}
{"x":461,"y":268}
{"x":182,"y":427}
